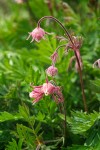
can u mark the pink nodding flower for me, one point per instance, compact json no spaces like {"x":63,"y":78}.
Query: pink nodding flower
{"x":55,"y":91}
{"x":46,"y":89}
{"x":37,"y":34}
{"x":51,"y":71}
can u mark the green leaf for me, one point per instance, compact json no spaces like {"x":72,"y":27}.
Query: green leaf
{"x":80,"y":122}
{"x":38,"y":127}
{"x":40,"y":116}
{"x":5,"y":116}
{"x":12,"y":145}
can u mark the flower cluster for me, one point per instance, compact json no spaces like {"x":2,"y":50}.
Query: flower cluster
{"x":74,"y":43}
{"x":46,"y":89}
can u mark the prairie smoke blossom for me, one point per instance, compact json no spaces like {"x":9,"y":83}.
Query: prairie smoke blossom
{"x":55,"y":91}
{"x":37,"y":34}
{"x":51,"y":71}
{"x":46,"y":89}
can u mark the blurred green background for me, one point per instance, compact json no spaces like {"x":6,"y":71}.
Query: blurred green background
{"x":22,"y":63}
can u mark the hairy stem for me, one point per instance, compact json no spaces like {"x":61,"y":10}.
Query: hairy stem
{"x":81,"y":81}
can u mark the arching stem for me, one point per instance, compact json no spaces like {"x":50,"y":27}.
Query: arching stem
{"x":53,"y":18}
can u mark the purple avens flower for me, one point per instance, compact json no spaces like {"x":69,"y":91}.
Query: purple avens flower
{"x":55,"y":91}
{"x":51,"y":71}
{"x":96,"y":64}
{"x":37,"y":34}
{"x":46,"y":89}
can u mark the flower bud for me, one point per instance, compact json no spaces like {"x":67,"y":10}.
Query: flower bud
{"x":51,"y":71}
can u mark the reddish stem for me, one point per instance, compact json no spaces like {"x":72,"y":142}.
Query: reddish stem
{"x":81,"y":81}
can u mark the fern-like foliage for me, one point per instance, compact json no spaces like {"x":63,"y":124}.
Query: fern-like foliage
{"x":80,"y":122}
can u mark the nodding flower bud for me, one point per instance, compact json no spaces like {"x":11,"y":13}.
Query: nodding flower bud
{"x":51,"y":71}
{"x":37,"y":34}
